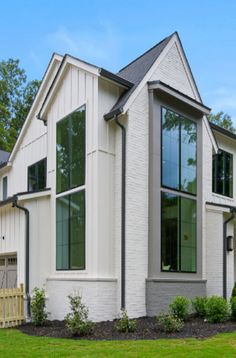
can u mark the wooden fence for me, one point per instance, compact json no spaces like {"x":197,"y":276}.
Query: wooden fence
{"x":11,"y":307}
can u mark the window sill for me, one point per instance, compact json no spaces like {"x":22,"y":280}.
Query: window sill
{"x":220,"y":196}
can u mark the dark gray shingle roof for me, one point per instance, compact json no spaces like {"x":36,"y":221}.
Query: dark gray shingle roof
{"x":135,"y":71}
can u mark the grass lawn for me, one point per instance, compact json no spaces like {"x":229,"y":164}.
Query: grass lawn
{"x":16,"y":344}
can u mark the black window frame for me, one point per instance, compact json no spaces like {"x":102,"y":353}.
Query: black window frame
{"x":37,"y":176}
{"x":215,"y":160}
{"x":75,"y":189}
{"x":69,"y":174}
{"x":179,"y":199}
{"x":69,"y":234}
{"x":179,"y":190}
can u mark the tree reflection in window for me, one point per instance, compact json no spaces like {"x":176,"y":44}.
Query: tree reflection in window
{"x":179,"y":152}
{"x":71,"y":151}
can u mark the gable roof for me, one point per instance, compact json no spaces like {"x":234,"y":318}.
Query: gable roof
{"x":135,"y":71}
{"x":223,"y":131}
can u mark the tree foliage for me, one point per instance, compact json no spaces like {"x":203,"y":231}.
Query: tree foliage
{"x":223,"y":120}
{"x":16,"y":97}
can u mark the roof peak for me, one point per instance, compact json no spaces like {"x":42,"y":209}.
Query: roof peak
{"x":149,"y":50}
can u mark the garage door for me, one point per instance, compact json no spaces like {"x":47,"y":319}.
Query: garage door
{"x":8,"y":271}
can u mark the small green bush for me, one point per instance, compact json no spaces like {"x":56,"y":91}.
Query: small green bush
{"x":234,"y":291}
{"x":233,"y":307}
{"x":170,"y":323}
{"x":77,"y":321}
{"x":179,"y":307}
{"x":199,"y":305}
{"x":38,"y":307}
{"x":125,"y":324}
{"x":217,"y":309}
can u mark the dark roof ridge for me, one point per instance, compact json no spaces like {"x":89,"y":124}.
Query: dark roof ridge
{"x":149,"y":50}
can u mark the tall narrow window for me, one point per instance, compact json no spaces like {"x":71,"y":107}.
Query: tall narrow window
{"x":178,"y":229}
{"x":179,"y":152}
{"x":71,"y":231}
{"x":179,"y":174}
{"x":4,"y":188}
{"x":70,"y":207}
{"x":37,"y":175}
{"x":71,"y":151}
{"x":222,"y":173}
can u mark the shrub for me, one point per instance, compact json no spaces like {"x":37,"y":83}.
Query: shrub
{"x":38,"y":307}
{"x":170,"y":323}
{"x":217,"y":309}
{"x":199,"y":305}
{"x":179,"y":307}
{"x":234,"y":291}
{"x":125,"y":324}
{"x":233,"y":307}
{"x":77,"y":321}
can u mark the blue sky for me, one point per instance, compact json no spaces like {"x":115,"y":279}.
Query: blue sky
{"x":112,"y":33}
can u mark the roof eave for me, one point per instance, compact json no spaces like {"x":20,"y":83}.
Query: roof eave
{"x":115,"y":78}
{"x":114,"y":113}
{"x":222,"y":131}
{"x":163,"y":87}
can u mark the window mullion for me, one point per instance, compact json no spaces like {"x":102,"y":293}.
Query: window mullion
{"x":69,"y":233}
{"x":180,"y":154}
{"x":179,"y":207}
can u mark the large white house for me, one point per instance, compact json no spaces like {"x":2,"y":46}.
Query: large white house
{"x":119,"y":188}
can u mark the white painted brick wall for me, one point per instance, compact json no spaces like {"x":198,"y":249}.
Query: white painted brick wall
{"x":137,"y":204}
{"x":100,"y":297}
{"x":214,"y":263}
{"x":173,"y":72}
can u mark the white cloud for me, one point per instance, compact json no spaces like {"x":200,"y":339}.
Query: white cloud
{"x":99,"y":46}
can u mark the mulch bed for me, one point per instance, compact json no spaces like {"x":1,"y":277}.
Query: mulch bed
{"x":147,"y":328}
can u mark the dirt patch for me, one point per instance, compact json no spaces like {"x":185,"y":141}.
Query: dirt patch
{"x":147,"y":328}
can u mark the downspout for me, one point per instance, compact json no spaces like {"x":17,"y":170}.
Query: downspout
{"x":225,"y":252}
{"x":26,"y":211}
{"x":123,"y":211}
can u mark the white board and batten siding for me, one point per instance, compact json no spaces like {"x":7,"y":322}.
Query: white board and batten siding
{"x":31,"y":148}
{"x":78,"y":88}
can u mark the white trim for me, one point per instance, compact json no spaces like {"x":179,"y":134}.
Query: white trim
{"x":68,"y":60}
{"x":39,"y":194}
{"x":217,"y":209}
{"x":55,"y":59}
{"x":71,"y":191}
{"x":82,"y":279}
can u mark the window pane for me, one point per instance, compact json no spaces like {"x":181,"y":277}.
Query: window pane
{"x":32,"y":178}
{"x":169,"y":232}
{"x":37,"y":175}
{"x":77,"y":230}
{"x":42,"y":174}
{"x":63,"y":156}
{"x":71,"y":151}
{"x":228,"y":174}
{"x":62,"y":233}
{"x":188,"y":155}
{"x":170,"y":149}
{"x":188,"y":235}
{"x":4,"y":188}
{"x":70,"y":234}
{"x":77,"y":167}
{"x":222,"y":173}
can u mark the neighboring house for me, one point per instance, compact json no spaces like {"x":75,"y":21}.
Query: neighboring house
{"x":119,"y":188}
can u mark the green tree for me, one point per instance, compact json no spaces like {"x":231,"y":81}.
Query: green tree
{"x":16,"y":97}
{"x":223,"y":120}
